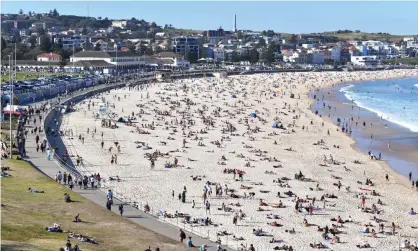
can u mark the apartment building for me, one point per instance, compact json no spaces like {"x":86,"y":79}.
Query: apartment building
{"x":184,"y":45}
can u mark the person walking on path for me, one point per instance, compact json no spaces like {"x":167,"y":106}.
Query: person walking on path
{"x":121,"y":209}
{"x":110,"y":196}
{"x":109,"y":204}
{"x":48,"y":154}
{"x":207,"y":207}
{"x":59,"y":177}
{"x":65,"y":178}
{"x":182,"y":235}
{"x":70,"y":184}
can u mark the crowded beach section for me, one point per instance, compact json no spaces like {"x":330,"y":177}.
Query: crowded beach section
{"x":245,"y":160}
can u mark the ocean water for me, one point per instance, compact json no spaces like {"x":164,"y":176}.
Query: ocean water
{"x":395,"y":100}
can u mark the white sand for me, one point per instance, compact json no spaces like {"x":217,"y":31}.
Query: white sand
{"x":139,"y":183}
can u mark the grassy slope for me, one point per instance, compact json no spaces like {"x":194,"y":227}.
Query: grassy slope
{"x":32,"y":75}
{"x":369,"y":36}
{"x":412,"y":61}
{"x":25,"y":216}
{"x":356,"y":36}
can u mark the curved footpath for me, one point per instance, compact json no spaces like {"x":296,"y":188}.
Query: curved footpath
{"x":51,"y":168}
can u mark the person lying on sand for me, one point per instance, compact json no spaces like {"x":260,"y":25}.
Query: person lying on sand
{"x":274,"y":224}
{"x":113,"y":179}
{"x":366,"y":245}
{"x":290,"y":231}
{"x":274,"y":241}
{"x":261,"y":203}
{"x":317,"y":245}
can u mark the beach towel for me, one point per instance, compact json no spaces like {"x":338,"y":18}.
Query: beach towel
{"x":364,"y":189}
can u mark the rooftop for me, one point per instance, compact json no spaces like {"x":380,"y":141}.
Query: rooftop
{"x":103,"y":54}
{"x":49,"y":55}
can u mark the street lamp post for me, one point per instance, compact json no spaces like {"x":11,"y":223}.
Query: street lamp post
{"x":10,"y":102}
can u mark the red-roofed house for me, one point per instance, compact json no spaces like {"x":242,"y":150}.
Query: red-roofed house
{"x":49,"y":57}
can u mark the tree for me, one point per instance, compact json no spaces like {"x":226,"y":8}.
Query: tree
{"x":84,"y":31}
{"x":226,"y":57}
{"x":235,"y":57}
{"x":17,"y":38}
{"x":261,"y":42}
{"x":142,"y":49}
{"x":149,"y":51}
{"x":270,"y":33}
{"x":363,"y":37}
{"x":41,"y":31}
{"x":55,"y":13}
{"x":20,"y":12}
{"x":97,"y":47}
{"x":59,"y":44}
{"x":254,"y":56}
{"x":99,"y":18}
{"x":293,"y":39}
{"x":32,"y":41}
{"x":268,"y":54}
{"x":203,"y":52}
{"x":158,"y":49}
{"x":30,"y":13}
{"x":45,"y":43}
{"x":191,"y":56}
{"x":3,"y":44}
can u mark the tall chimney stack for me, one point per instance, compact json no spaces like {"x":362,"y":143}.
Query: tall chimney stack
{"x":235,"y":23}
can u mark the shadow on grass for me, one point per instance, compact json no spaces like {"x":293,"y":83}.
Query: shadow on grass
{"x":17,"y":247}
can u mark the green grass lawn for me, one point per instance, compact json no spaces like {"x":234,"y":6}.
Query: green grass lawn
{"x":25,"y":215}
{"x":34,"y":75}
{"x":411,"y":61}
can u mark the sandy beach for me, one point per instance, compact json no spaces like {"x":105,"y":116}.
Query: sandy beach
{"x":261,"y":128}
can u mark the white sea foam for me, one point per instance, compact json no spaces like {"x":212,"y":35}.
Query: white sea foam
{"x":393,"y":108}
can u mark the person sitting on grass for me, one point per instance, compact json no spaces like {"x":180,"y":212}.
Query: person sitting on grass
{"x":34,"y":190}
{"x":67,"y":198}
{"x":189,"y":243}
{"x":77,"y":218}
{"x":56,"y":228}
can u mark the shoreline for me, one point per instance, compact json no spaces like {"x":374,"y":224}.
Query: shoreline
{"x":401,"y":155}
{"x":140,"y":183}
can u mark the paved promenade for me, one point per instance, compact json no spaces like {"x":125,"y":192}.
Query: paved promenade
{"x":51,"y":168}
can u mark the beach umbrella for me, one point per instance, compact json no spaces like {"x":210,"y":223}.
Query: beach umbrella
{"x":234,"y":96}
{"x":253,"y":115}
{"x":275,"y":124}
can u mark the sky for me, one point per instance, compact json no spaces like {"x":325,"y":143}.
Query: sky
{"x":398,"y":18}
